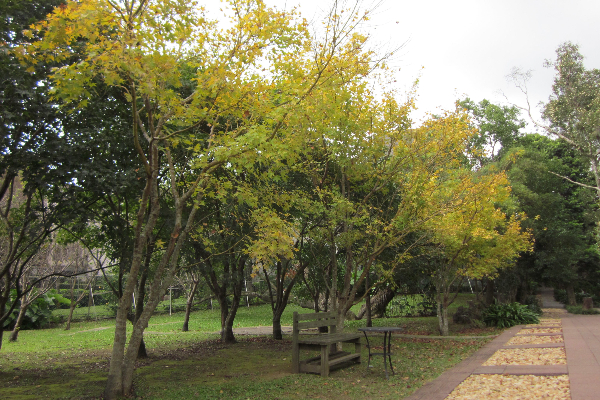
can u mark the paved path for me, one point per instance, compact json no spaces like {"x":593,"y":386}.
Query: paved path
{"x":548,"y":299}
{"x":582,"y":345}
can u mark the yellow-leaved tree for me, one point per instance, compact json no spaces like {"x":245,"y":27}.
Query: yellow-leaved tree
{"x":201,"y":97}
{"x":476,"y":239}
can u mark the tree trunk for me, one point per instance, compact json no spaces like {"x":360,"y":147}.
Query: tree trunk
{"x":70,"y":317}
{"x":489,"y":292}
{"x":226,"y":337}
{"x":368,"y":302}
{"x":237,"y":282}
{"x":571,"y":294}
{"x":227,"y":332}
{"x":139,"y":309}
{"x":378,"y":303}
{"x":15,"y":332}
{"x":114,"y":383}
{"x":186,"y":319}
{"x":3,"y":300}
{"x":188,"y":306}
{"x":142,"y":352}
{"x":277,"y":332}
{"x":442,"y":313}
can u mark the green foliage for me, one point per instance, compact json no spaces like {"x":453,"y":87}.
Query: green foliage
{"x":574,"y":106}
{"x":39,"y":312}
{"x":412,"y":306}
{"x":498,"y":128}
{"x":533,"y":303}
{"x":561,"y":215}
{"x":58,"y":299}
{"x":507,"y":315}
{"x":580,"y":310}
{"x":560,"y":295}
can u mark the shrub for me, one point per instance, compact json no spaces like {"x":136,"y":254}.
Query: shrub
{"x":581,"y":295}
{"x":507,"y":315}
{"x":580,"y":310}
{"x":38,"y":313}
{"x":560,"y":295}
{"x":533,"y":303}
{"x":462,"y":316}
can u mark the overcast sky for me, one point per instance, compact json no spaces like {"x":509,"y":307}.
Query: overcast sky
{"x":468,"y":47}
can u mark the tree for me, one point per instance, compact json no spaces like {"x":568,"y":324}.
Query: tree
{"x":28,"y":142}
{"x":223,"y":96}
{"x":573,"y":109}
{"x":378,"y":181}
{"x":497,"y":129}
{"x":563,"y":215}
{"x":476,"y":238}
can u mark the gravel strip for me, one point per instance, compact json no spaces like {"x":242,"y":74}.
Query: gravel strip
{"x":550,"y":321}
{"x":529,"y":331}
{"x":532,"y":356}
{"x":523,"y":387}
{"x":554,"y":312}
{"x":534,"y":340}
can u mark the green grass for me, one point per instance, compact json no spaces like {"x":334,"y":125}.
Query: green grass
{"x":54,"y":364}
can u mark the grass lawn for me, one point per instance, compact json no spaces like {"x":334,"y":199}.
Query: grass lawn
{"x":58,"y":364}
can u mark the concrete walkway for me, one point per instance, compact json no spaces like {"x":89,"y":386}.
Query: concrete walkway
{"x":581,"y":335}
{"x":548,"y":301}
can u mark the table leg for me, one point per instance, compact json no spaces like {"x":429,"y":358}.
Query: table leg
{"x":385,"y":338}
{"x":389,"y":351}
{"x":369,"y":348}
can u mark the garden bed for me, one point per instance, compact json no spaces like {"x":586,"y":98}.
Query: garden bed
{"x":534,"y":339}
{"x":531,"y":356}
{"x":523,"y":387}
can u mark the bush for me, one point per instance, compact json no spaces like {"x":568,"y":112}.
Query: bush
{"x":411,"y":306}
{"x":560,"y":295}
{"x":581,"y":295}
{"x":38,"y":313}
{"x":533,"y":303}
{"x":462,"y":316}
{"x":507,"y":315}
{"x":580,"y":310}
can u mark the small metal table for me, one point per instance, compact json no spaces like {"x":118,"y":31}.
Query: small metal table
{"x":387,"y":344}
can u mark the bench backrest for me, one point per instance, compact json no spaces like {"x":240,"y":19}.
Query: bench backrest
{"x":313,"y":320}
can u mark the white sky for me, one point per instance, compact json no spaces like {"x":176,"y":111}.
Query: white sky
{"x":467,"y":47}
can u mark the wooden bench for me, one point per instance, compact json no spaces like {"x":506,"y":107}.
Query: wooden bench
{"x":326,"y":343}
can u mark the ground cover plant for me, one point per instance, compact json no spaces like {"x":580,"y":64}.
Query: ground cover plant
{"x":580,"y":310}
{"x":507,"y":315}
{"x":53,"y":363}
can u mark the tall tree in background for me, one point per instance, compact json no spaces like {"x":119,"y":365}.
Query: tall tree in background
{"x":30,"y":143}
{"x":573,"y":109}
{"x":562,"y":215}
{"x":497,"y":128}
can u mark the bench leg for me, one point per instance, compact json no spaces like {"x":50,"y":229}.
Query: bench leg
{"x":295,"y":358}
{"x":325,"y":361}
{"x":357,"y":349}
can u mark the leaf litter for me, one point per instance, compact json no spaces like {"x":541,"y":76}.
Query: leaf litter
{"x":530,"y":356}
{"x":522,"y":387}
